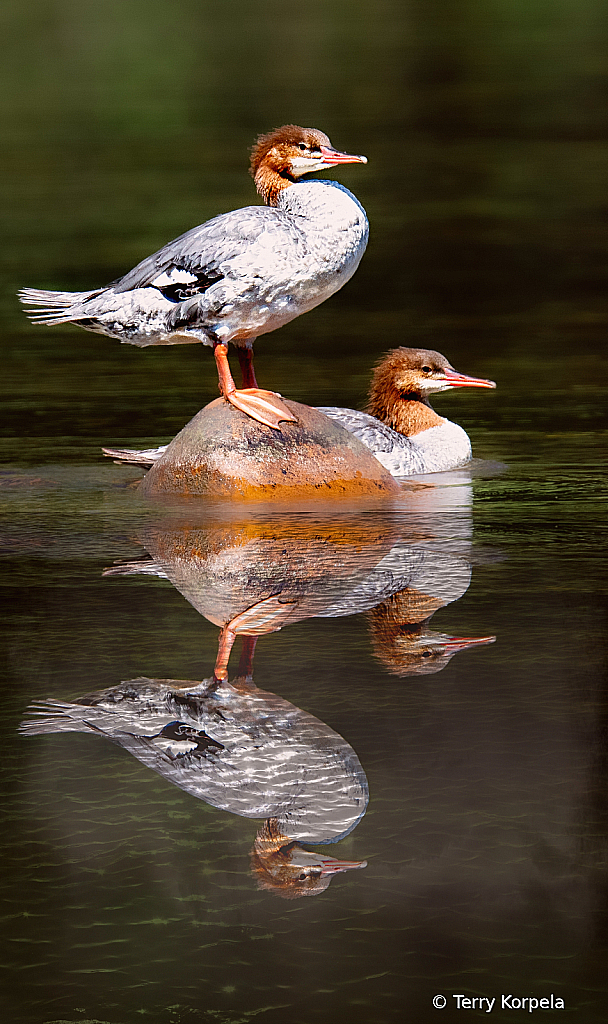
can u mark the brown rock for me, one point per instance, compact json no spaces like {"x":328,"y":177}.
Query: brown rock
{"x":224,"y":453}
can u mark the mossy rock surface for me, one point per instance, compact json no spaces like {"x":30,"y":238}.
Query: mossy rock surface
{"x":222,"y":452}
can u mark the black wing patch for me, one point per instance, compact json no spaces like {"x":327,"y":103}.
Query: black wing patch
{"x":177,"y":283}
{"x":177,"y":734}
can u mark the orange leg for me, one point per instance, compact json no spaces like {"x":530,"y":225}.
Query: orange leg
{"x":263,"y":406}
{"x":246,"y":363}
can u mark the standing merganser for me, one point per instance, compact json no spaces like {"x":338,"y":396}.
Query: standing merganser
{"x":400,"y":427}
{"x":239,"y":275}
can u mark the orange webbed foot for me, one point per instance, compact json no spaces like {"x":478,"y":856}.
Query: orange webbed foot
{"x":264,"y":406}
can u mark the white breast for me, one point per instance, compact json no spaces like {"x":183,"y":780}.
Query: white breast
{"x":334,"y":225}
{"x":328,"y":203}
{"x":435,"y":450}
{"x":443,"y":447}
{"x":292,"y":270}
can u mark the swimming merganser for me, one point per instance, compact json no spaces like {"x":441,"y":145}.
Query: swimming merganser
{"x":400,"y":427}
{"x":239,"y":275}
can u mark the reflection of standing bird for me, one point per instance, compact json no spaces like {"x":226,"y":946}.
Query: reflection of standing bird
{"x":400,"y":427}
{"x":240,"y":749}
{"x":290,"y":871}
{"x":400,"y":597}
{"x":239,"y":275}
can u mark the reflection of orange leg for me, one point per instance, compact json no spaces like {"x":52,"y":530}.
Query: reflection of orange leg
{"x":263,"y":406}
{"x":262,"y":617}
{"x":224,"y":647}
{"x":246,"y":660}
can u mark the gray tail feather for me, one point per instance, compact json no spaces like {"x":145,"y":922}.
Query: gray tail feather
{"x":56,"y":716}
{"x":58,"y":307}
{"x":136,"y":458}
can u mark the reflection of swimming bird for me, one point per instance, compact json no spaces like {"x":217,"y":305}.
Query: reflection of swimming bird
{"x":400,"y":597}
{"x":403,"y":641}
{"x":239,"y":275}
{"x":242,"y":750}
{"x":400,"y":427}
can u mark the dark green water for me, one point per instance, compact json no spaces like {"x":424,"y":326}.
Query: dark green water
{"x":485,"y":837}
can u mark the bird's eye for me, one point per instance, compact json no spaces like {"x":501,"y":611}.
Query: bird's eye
{"x":302,"y":877}
{"x":302,"y":146}
{"x":426,"y":654}
{"x":426,"y":369}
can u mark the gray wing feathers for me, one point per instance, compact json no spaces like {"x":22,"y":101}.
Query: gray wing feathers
{"x":397,"y":453}
{"x":51,"y":716}
{"x":210,"y":246}
{"x":370,"y":431}
{"x":133,"y":457}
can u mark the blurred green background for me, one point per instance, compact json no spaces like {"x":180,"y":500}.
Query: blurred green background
{"x":124,"y":124}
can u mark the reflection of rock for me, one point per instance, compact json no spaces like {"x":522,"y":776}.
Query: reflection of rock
{"x":239,"y":749}
{"x":225,"y":453}
{"x":303,"y":564}
{"x":257,"y":576}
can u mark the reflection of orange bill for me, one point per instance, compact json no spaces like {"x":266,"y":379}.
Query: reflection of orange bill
{"x":460,"y":643}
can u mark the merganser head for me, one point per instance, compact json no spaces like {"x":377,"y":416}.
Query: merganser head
{"x":421,"y":371}
{"x":282,"y":156}
{"x":406,"y":377}
{"x":427,"y":652}
{"x":403,"y":640}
